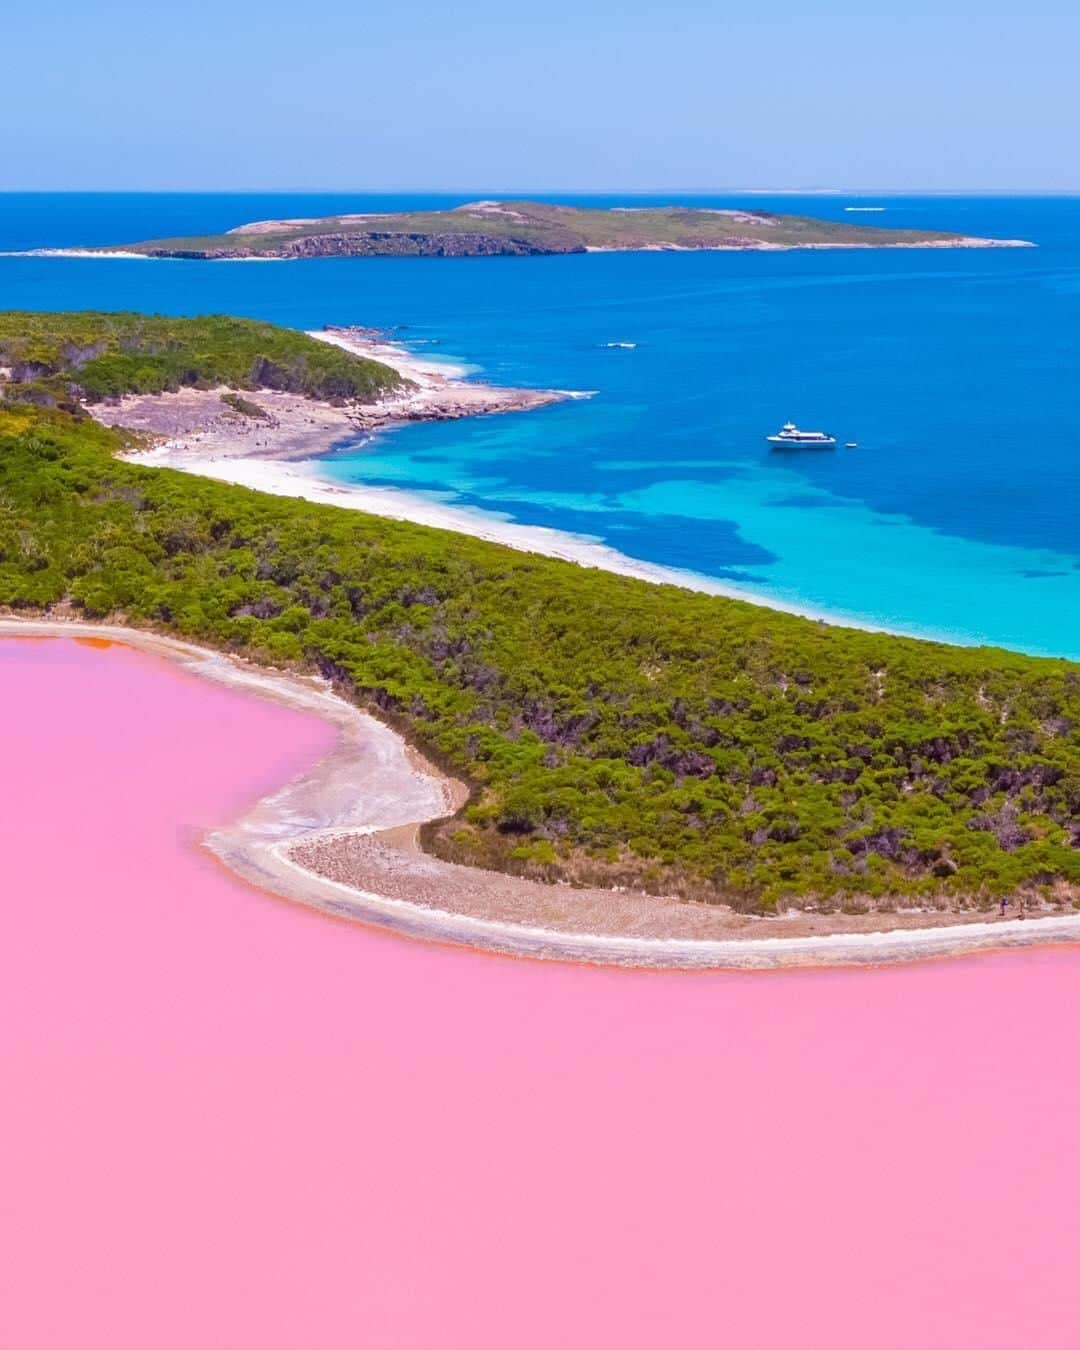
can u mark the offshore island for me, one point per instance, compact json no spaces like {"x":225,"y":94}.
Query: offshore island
{"x":593,"y":765}
{"x":524,"y":228}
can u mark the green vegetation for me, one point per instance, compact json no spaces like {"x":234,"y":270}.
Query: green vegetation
{"x":613,"y":730}
{"x":515,"y":227}
{"x":64,"y":359}
{"x":244,"y":406}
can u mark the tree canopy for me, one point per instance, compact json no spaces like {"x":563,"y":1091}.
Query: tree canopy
{"x":613,"y":730}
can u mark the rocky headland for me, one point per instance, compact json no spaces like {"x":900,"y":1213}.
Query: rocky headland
{"x":274,"y":424}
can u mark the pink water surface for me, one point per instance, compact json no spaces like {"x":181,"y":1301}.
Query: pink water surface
{"x":229,"y":1122}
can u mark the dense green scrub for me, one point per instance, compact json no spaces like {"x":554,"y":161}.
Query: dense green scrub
{"x":62,"y":359}
{"x":613,"y":729}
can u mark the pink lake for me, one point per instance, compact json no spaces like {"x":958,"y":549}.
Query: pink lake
{"x":231,"y":1122}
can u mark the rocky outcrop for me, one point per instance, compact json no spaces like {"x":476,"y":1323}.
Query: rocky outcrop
{"x":420,"y":244}
{"x":385,"y":243}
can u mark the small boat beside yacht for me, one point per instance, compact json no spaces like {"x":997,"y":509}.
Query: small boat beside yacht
{"x":789,"y":437}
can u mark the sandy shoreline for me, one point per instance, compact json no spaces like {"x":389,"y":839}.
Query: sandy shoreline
{"x":354,"y":815}
{"x":281,"y":456}
{"x":193,"y":431}
{"x":193,"y":426}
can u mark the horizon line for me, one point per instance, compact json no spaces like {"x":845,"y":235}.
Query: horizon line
{"x":548,"y":191}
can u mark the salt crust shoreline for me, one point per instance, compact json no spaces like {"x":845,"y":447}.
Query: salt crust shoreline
{"x":372,"y":782}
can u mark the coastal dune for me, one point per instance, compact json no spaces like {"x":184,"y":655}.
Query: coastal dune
{"x":342,"y":838}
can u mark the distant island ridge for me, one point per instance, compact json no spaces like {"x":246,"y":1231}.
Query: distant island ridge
{"x":524,"y":228}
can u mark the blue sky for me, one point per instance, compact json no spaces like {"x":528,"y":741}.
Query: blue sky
{"x":598,"y":94}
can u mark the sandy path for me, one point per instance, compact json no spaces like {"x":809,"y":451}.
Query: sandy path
{"x":353,"y":816}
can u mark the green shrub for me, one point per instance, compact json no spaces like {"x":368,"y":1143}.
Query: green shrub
{"x":610,"y":728}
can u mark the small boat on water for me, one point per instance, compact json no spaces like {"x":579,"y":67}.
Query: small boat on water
{"x":789,"y":437}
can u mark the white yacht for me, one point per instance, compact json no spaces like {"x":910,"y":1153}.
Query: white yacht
{"x":790,"y":437}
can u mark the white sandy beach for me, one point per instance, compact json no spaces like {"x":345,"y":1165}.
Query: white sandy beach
{"x":194,"y":432}
{"x":305,"y":479}
{"x":283,"y":457}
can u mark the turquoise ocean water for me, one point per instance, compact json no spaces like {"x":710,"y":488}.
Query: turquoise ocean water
{"x":957,"y":372}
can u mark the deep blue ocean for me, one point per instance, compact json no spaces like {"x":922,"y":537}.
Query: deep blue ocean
{"x":957,"y":372}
